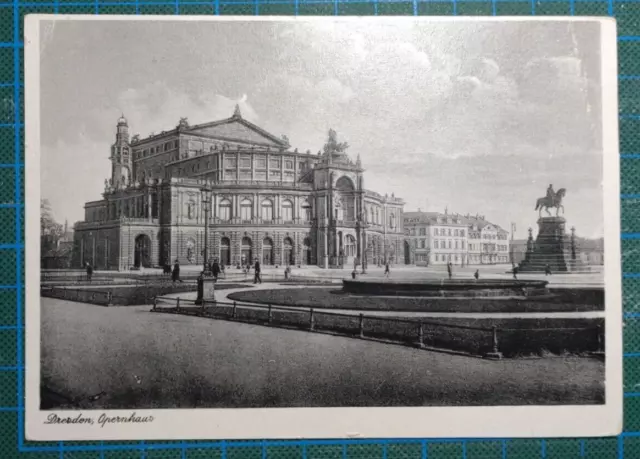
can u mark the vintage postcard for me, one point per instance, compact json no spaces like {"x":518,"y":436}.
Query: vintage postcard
{"x":321,"y":228}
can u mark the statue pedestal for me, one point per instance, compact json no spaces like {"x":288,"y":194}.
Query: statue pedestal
{"x":206,"y":289}
{"x":550,"y":248}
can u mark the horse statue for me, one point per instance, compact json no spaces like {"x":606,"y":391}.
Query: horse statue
{"x":551,"y":201}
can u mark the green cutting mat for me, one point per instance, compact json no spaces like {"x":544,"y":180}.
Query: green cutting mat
{"x":12,"y":441}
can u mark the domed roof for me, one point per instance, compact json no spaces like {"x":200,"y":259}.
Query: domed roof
{"x":122,"y":120}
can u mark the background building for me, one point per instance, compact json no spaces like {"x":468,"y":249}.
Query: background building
{"x":440,"y":238}
{"x":268,"y":202}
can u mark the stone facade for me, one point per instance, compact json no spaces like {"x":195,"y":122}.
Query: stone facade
{"x":267,"y":202}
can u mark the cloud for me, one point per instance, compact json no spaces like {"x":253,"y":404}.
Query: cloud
{"x":446,"y":114}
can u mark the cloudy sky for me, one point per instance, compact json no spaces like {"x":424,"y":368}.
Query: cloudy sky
{"x":479,"y":118}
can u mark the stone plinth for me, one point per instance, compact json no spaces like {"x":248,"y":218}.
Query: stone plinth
{"x":550,"y":248}
{"x":206,"y":289}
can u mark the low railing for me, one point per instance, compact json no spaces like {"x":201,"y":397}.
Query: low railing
{"x":489,"y":342}
{"x":422,"y":334}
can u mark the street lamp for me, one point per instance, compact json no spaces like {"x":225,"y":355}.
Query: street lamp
{"x":206,"y":201}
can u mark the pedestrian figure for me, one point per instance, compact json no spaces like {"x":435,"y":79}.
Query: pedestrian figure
{"x":89,"y":272}
{"x":215,"y":269}
{"x":477,"y":274}
{"x":256,"y":276}
{"x":450,"y":269}
{"x":515,"y":272}
{"x":547,"y":270}
{"x":387,"y":271}
{"x":175,"y":274}
{"x":287,"y":272}
{"x":222,"y":270}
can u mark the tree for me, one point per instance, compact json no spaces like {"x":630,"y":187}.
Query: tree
{"x":50,"y":230}
{"x":333,"y":146}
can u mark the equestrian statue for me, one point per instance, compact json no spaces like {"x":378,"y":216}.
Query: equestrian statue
{"x":552,"y":199}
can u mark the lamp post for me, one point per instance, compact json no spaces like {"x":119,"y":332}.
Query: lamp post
{"x":206,"y":201}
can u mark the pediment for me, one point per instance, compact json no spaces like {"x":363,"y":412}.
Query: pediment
{"x":237,"y":130}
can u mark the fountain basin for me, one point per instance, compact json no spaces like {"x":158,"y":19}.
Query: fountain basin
{"x":443,"y":288}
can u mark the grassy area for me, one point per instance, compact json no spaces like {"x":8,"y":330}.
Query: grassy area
{"x":134,"y":359}
{"x":516,"y":337}
{"x":333,"y":298}
{"x":126,"y":295}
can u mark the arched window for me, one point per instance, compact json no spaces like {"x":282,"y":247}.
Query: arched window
{"x":392,"y":221}
{"x":288,"y":252}
{"x":267,"y":251}
{"x":306,"y":210}
{"x":287,"y":210}
{"x":225,"y":210}
{"x":245,"y":210}
{"x":371,"y":218}
{"x":377,"y":217}
{"x":267,"y":209}
{"x":435,"y":244}
{"x":246,"y":251}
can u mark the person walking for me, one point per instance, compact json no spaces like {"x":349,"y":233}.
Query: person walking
{"x":222,"y":270}
{"x":387,"y":271}
{"x":515,"y":272}
{"x":89,"y":272}
{"x":477,"y":274}
{"x":450,"y":270}
{"x":215,"y":269}
{"x":256,"y":276}
{"x":175,"y":274}
{"x":547,"y":270}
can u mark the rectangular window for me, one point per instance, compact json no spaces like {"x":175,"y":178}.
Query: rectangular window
{"x":261,"y":163}
{"x":267,"y":212}
{"x":230,"y":174}
{"x":231,"y":162}
{"x":274,"y":173}
{"x":225,"y":213}
{"x":449,"y":231}
{"x":245,"y":162}
{"x":286,"y":213}
{"x":260,"y":175}
{"x":245,"y":213}
{"x":461,"y":233}
{"x":423,"y":231}
{"x":274,"y":164}
{"x":288,"y":164}
{"x":449,"y":243}
{"x":435,"y":244}
{"x":245,"y":175}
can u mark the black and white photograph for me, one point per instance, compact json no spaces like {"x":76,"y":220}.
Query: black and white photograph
{"x":319,"y":228}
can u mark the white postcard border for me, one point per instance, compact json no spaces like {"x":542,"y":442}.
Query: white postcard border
{"x":298,"y":423}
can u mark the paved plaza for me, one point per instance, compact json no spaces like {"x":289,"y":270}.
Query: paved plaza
{"x":97,"y":357}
